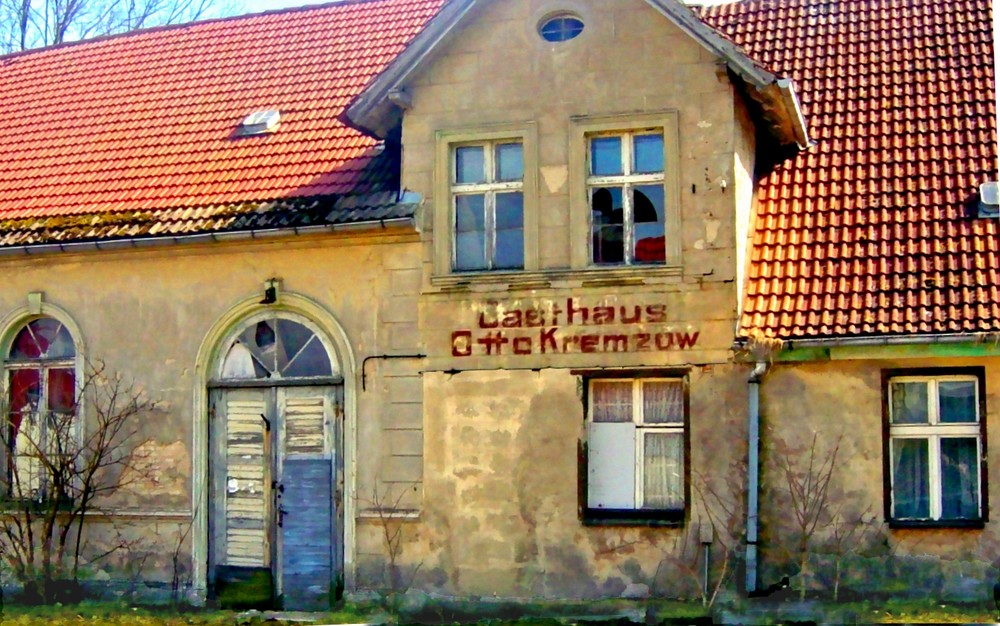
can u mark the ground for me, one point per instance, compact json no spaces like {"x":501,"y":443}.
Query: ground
{"x":604,"y":614}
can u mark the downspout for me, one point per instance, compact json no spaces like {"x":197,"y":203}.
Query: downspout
{"x":753,"y":472}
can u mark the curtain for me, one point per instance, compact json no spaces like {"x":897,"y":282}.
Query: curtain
{"x":910,"y":490}
{"x":663,"y":402}
{"x":663,"y":470}
{"x":959,"y":478}
{"x":612,"y":401}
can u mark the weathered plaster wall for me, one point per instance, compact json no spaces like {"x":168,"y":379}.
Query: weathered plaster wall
{"x":146,"y":313}
{"x":503,"y":412}
{"x":842,"y":401}
{"x":502,"y":473}
{"x":629,"y":59}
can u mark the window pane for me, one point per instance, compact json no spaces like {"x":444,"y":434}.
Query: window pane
{"x":607,"y":217}
{"x":663,"y":471}
{"x":509,"y":253}
{"x":510,"y":162}
{"x":292,"y":336}
{"x":648,"y":212}
{"x":240,"y":363}
{"x":611,"y":400}
{"x":469,"y":165}
{"x":62,"y":390}
{"x":909,"y":403}
{"x":312,"y":360}
{"x":606,"y":156}
{"x":910,"y":491}
{"x":959,"y":478}
{"x":663,"y":402}
{"x":470,"y":229}
{"x":648,"y":153}
{"x":958,"y":401}
{"x":25,"y":346}
{"x":509,"y":210}
{"x":24,"y":394}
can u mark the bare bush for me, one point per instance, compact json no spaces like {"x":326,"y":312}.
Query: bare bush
{"x":60,"y":465}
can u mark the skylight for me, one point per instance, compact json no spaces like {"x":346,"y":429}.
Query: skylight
{"x":260,"y":122}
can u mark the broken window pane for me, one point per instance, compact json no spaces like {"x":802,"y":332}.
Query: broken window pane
{"x":648,"y":214}
{"x":240,"y":363}
{"x":608,"y":225}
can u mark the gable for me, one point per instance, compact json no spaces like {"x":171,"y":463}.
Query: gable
{"x":378,"y":107}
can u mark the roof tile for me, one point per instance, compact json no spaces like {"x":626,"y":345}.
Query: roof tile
{"x":900,"y":98}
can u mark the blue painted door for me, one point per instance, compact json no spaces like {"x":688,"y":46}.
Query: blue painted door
{"x":307,"y":497}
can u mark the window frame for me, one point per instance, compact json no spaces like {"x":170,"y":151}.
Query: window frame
{"x":595,"y":516}
{"x":934,"y":432}
{"x":489,"y":188}
{"x":580,"y":180}
{"x":443,"y":222}
{"x":11,"y":328}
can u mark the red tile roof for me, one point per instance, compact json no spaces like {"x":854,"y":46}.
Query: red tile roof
{"x":869,"y":232}
{"x":145,"y":122}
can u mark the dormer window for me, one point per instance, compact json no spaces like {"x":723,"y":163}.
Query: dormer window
{"x":989,"y":199}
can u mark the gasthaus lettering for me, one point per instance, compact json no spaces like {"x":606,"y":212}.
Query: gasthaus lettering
{"x":554,"y":328}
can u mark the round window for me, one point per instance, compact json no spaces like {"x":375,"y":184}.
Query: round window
{"x":561,"y":27}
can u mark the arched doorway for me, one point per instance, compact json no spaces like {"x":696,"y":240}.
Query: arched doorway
{"x":275,"y":464}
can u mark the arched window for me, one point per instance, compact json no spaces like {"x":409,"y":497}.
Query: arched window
{"x":277,"y":348}
{"x":40,"y":376}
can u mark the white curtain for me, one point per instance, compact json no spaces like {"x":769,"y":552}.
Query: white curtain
{"x":663,"y":402}
{"x":663,"y":470}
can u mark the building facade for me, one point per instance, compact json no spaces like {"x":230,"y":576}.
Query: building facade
{"x":521,"y":298}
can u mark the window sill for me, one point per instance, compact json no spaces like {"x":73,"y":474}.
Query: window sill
{"x":586,"y":277}
{"x":969,"y":524}
{"x":612,"y":517}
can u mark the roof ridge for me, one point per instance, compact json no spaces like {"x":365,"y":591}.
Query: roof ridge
{"x":5,"y":58}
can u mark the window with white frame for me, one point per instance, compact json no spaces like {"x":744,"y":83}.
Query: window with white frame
{"x":636,"y":445}
{"x":487,"y":193}
{"x":41,"y":388}
{"x":935,"y":444}
{"x":625,"y":186}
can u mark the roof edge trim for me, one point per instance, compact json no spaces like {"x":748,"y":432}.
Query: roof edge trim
{"x":372,"y":110}
{"x":36,"y":249}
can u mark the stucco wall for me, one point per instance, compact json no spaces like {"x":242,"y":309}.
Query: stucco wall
{"x":502,"y":474}
{"x":146,"y":314}
{"x":840,"y":403}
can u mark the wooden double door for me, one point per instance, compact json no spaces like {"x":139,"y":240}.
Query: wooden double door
{"x":277,"y":491}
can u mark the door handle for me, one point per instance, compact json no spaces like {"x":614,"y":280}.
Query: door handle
{"x":281,"y":516}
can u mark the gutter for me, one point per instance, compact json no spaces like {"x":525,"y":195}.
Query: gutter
{"x":753,"y":472}
{"x":238,"y":235}
{"x":888,"y":340}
